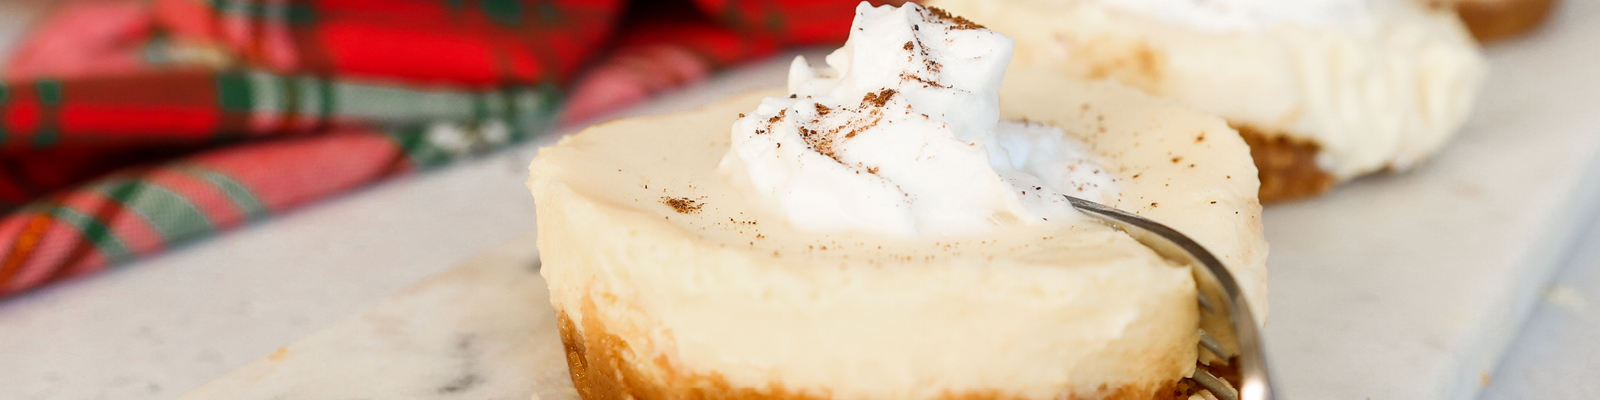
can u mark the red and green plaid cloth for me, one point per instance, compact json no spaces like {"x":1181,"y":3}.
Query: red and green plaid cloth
{"x":129,"y":127}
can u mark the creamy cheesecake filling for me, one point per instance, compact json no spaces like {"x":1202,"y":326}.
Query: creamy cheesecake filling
{"x":1375,"y":85}
{"x":900,"y":134}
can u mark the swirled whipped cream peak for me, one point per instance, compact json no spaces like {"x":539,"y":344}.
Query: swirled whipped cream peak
{"x":900,"y":135}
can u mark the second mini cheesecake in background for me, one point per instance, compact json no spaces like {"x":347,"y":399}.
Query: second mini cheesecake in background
{"x":1323,"y":91}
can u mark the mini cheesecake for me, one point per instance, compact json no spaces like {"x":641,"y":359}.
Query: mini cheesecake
{"x":892,"y":226}
{"x":671,"y":284}
{"x":1322,"y":90}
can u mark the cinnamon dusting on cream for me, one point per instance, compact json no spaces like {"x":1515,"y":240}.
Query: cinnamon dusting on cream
{"x":683,"y":205}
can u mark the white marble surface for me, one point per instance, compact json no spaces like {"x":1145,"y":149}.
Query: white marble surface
{"x":1396,"y":287}
{"x":482,"y":330}
{"x":1558,"y":352}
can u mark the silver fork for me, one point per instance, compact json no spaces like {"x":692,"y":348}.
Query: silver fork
{"x":1237,"y":339}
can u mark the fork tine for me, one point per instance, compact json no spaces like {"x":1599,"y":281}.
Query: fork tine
{"x":1205,"y":302}
{"x":1218,"y":293}
{"x":1210,"y":343}
{"x":1215,"y":385}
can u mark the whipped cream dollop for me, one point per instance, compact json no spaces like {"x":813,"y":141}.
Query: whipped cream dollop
{"x":900,"y":134}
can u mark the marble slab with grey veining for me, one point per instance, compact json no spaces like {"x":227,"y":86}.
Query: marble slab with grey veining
{"x":482,"y":330}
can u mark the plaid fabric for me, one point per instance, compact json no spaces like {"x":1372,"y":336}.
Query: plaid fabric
{"x":130,"y":127}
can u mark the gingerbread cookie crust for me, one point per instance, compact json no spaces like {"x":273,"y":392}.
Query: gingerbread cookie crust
{"x":1286,"y":166}
{"x":1491,"y":20}
{"x":601,"y":371}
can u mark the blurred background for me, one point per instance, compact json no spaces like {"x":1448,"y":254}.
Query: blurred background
{"x":187,"y":185}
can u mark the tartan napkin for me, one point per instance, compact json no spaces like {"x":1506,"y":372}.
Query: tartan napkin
{"x":129,"y":127}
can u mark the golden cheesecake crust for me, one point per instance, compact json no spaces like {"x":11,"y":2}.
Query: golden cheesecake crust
{"x":1286,"y":166}
{"x":1491,"y":20}
{"x":600,"y":371}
